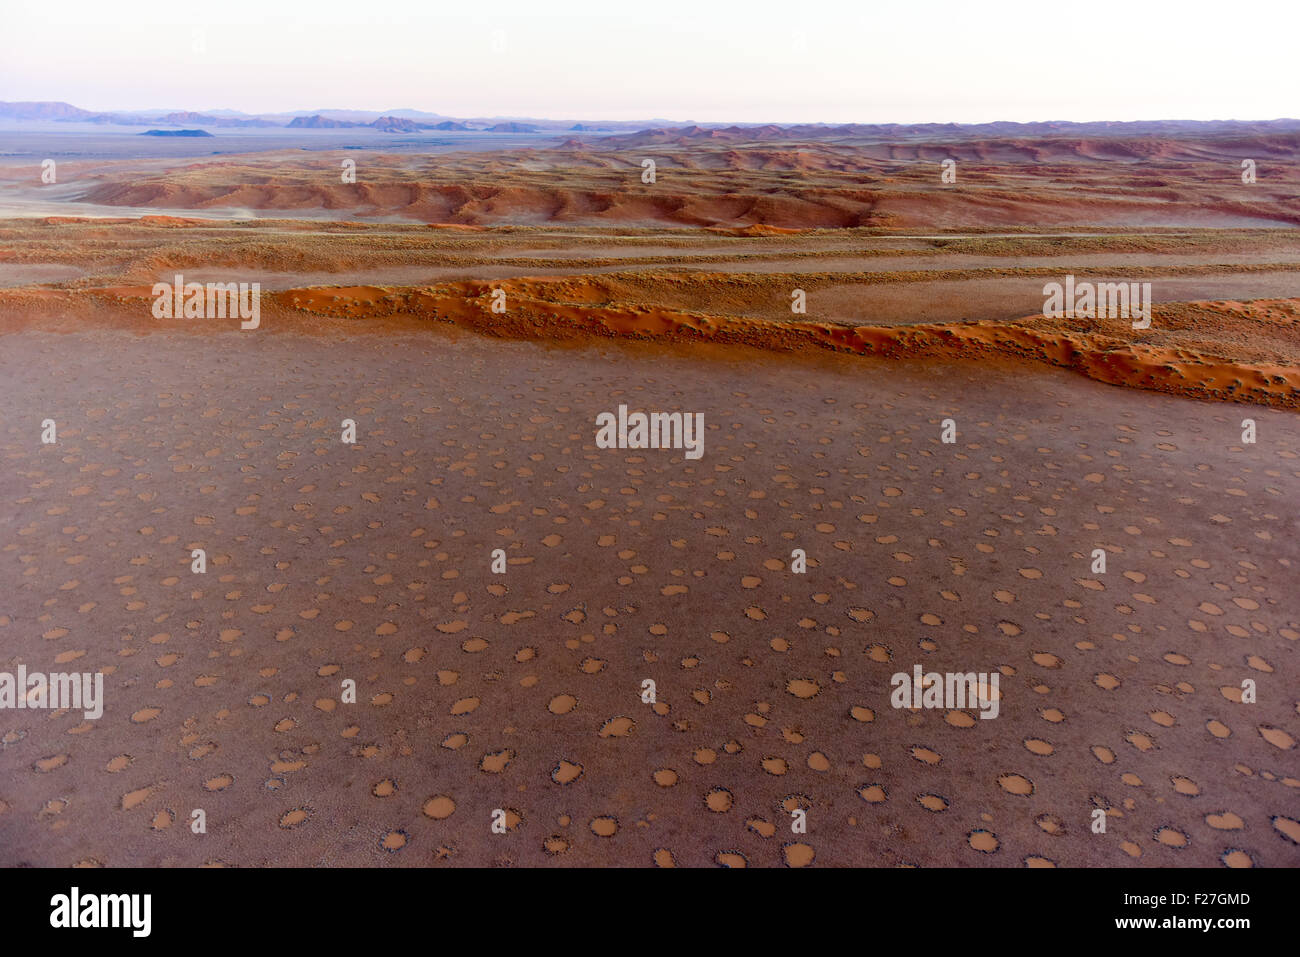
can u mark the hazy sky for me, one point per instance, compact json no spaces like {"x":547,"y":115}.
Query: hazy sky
{"x":707,"y":60}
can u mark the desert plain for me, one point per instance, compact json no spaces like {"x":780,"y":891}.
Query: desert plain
{"x":517,"y":697}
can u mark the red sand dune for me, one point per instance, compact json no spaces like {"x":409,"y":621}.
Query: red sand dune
{"x":1192,"y":350}
{"x":714,"y":178}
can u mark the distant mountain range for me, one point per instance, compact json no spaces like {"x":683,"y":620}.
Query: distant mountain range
{"x":634,"y":133}
{"x":400,"y":124}
{"x":174,"y":133}
{"x":391,"y":121}
{"x":936,"y":132}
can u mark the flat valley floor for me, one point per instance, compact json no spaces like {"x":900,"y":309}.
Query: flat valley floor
{"x":522,"y":693}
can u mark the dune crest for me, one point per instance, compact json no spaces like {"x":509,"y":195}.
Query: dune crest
{"x":1185,"y":353}
{"x":1103,"y":350}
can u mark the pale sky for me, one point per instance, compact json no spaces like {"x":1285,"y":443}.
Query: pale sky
{"x":706,"y":60}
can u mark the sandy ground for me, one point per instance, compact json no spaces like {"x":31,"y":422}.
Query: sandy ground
{"x":1225,"y":322}
{"x":521,"y":692}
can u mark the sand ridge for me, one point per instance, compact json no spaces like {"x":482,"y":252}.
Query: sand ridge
{"x":1196,"y":366}
{"x":1050,"y":181}
{"x":959,"y":297}
{"x":1187,"y":352}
